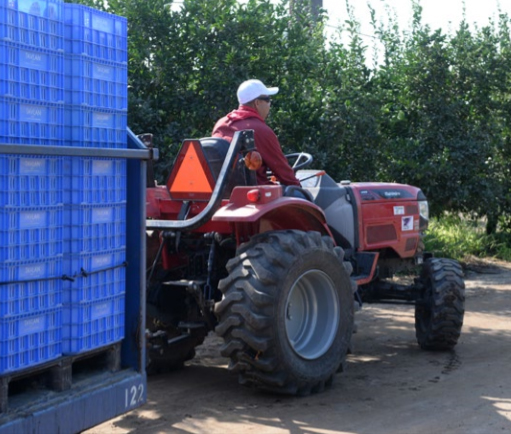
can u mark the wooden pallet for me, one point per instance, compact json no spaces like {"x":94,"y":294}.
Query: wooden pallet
{"x":58,"y":375}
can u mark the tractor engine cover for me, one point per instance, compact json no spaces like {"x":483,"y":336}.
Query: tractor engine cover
{"x":389,"y":217}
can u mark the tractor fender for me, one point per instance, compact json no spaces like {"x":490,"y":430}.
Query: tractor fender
{"x":154,"y":196}
{"x":273,"y":211}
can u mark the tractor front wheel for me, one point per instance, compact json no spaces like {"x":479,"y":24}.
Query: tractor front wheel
{"x":287,"y":312}
{"x":439,"y":312}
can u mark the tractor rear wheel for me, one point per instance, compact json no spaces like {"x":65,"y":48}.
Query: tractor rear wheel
{"x":287,"y":312}
{"x":439,"y":312}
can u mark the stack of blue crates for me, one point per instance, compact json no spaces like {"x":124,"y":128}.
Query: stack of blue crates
{"x":32,"y":72}
{"x":31,"y":193}
{"x":63,"y":82}
{"x":95,"y":246}
{"x":96,"y":115}
{"x":96,"y":77}
{"x":31,"y":260}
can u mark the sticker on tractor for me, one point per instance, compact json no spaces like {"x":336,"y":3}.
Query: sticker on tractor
{"x":399,"y":210}
{"x":407,"y":224}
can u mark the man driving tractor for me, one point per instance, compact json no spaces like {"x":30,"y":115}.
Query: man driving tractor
{"x":255,"y":102}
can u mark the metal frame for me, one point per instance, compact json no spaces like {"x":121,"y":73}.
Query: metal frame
{"x":109,"y":394}
{"x":242,"y":141}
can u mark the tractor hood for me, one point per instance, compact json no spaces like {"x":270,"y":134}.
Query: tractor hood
{"x":385,"y":191}
{"x":390,"y":216}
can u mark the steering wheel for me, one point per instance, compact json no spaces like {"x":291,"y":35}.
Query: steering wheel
{"x":303,"y":159}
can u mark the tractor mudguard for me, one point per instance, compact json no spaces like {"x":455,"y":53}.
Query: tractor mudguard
{"x":154,"y":196}
{"x":272,"y":210}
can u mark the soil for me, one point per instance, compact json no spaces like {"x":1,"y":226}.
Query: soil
{"x":390,"y":385}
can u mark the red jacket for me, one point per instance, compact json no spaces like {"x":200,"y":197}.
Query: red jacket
{"x":266,"y":142}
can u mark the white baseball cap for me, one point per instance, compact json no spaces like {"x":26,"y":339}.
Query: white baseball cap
{"x":251,"y":89}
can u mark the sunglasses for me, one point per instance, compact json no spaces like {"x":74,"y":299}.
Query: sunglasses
{"x":265,"y":98}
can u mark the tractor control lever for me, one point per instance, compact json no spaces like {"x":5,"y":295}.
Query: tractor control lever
{"x":321,"y":173}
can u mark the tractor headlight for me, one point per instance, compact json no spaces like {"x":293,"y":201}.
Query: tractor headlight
{"x":424,"y":209}
{"x":424,"y":214}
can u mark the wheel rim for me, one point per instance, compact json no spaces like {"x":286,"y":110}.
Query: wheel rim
{"x":312,"y":314}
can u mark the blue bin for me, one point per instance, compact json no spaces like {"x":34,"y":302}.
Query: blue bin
{"x":95,"y":228}
{"x":96,"y":276}
{"x":31,"y":73}
{"x":97,"y":181}
{"x":95,"y":127}
{"x":31,"y":122}
{"x":35,"y":23}
{"x":29,"y":340}
{"x":96,"y":34}
{"x":96,"y":83}
{"x":30,"y":233}
{"x":31,"y":181}
{"x":91,"y":325}
{"x":28,"y":287}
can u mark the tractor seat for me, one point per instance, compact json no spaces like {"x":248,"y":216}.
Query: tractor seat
{"x":215,"y":150}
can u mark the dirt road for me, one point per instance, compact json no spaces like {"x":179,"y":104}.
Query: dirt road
{"x":390,"y":386}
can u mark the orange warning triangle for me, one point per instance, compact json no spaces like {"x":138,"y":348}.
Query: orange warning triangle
{"x":191,"y":178}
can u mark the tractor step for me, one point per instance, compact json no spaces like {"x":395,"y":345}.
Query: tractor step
{"x":365,"y":265}
{"x":360,"y":277}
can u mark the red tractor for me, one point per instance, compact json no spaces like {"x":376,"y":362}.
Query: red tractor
{"x":278,"y":271}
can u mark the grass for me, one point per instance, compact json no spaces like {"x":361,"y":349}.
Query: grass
{"x":458,"y":238}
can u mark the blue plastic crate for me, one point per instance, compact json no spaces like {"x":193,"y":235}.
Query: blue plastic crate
{"x":95,"y":33}
{"x":31,"y":73}
{"x":96,"y":83}
{"x":38,"y":23}
{"x":95,"y":228}
{"x":29,"y":181}
{"x":30,"y":122}
{"x":92,"y":325}
{"x":95,"y":128}
{"x":30,"y":233}
{"x":98,"y":180}
{"x":29,"y":340}
{"x":104,"y":276}
{"x":31,"y":293}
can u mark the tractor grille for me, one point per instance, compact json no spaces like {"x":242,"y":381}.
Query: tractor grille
{"x":380,"y":234}
{"x":411,"y":244}
{"x":411,"y":209}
